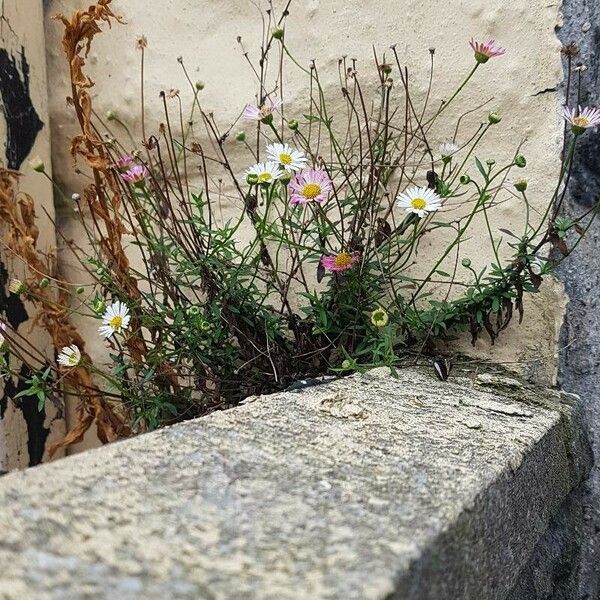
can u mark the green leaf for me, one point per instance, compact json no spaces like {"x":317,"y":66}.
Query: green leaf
{"x":481,"y":169}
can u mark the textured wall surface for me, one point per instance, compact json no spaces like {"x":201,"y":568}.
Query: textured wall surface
{"x":25,"y":133}
{"x":580,"y":364}
{"x":369,"y":487}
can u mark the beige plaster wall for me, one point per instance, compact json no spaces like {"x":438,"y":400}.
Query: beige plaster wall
{"x":204,"y":32}
{"x":22,"y":26}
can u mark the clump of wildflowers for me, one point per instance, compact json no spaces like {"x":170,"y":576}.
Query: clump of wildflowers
{"x":230,"y":304}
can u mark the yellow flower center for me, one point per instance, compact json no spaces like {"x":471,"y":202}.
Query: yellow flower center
{"x":342,"y":260}
{"x":311,"y":191}
{"x":581,"y":122}
{"x":72,"y":360}
{"x":285,"y":159}
{"x":418,"y":203}
{"x":116,"y":322}
{"x":264,"y":177}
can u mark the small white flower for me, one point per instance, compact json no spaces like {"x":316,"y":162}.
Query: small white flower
{"x":447,"y":149}
{"x":290,"y":160}
{"x":70,"y":356}
{"x":419,"y":200}
{"x":16,"y":286}
{"x":37,"y":164}
{"x":266,"y":172}
{"x":115,"y":319}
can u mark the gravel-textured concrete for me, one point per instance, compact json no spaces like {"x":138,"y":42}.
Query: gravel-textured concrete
{"x":580,"y":360}
{"x":367,"y":487}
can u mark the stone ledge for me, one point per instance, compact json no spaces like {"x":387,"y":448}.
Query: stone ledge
{"x":366,"y":487}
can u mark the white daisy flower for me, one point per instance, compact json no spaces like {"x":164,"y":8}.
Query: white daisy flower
{"x":290,"y":160}
{"x":447,"y":149}
{"x":115,"y":319}
{"x":266,"y":172}
{"x":70,"y":356}
{"x":419,"y":200}
{"x":581,"y":118}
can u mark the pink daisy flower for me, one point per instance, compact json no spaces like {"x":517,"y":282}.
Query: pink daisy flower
{"x":339,"y":262}
{"x":261,"y":113}
{"x":310,"y":185}
{"x":485,"y":50}
{"x":124,"y":162}
{"x":135,"y":175}
{"x":582,"y":118}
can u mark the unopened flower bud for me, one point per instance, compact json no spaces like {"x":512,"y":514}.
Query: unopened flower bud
{"x":466,"y":262}
{"x":111,"y":115}
{"x":240,"y":136}
{"x":494,"y":118}
{"x":464,"y":179}
{"x":80,"y":290}
{"x":520,"y":161}
{"x":75,"y":197}
{"x":252,"y":179}
{"x":277,"y":33}
{"x":44,"y":283}
{"x":293,"y":124}
{"x":37,"y":164}
{"x":521,"y":184}
{"x":285,"y":178}
{"x":490,"y":162}
{"x":99,"y":306}
{"x":199,"y":85}
{"x":194,"y":310}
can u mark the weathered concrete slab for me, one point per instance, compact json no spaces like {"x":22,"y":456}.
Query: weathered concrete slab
{"x":368,"y":487}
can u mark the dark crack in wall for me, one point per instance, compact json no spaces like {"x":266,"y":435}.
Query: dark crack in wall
{"x":579,"y":369}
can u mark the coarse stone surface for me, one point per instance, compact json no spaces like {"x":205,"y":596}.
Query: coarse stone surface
{"x":580,"y":339}
{"x":365,"y":487}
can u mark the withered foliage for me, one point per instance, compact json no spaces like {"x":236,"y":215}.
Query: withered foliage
{"x":19,"y":217}
{"x":17,"y":213}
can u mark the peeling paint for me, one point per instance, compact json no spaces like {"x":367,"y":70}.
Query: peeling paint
{"x":22,"y":121}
